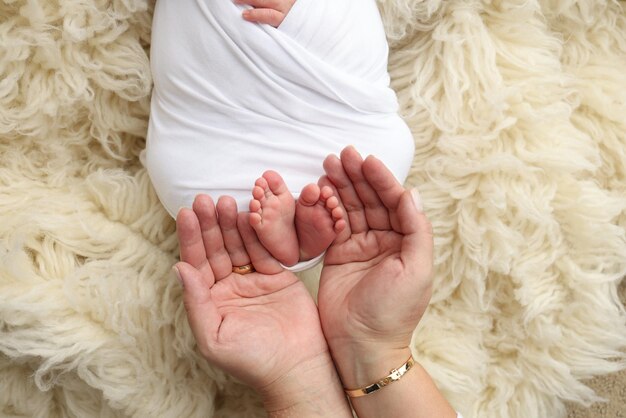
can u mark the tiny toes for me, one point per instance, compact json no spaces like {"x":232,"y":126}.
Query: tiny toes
{"x":310,"y":195}
{"x":275,"y":182}
{"x":255,"y":206}
{"x":258,"y":193}
{"x":261,"y":182}
{"x":255,"y":219}
{"x":340,"y":226}
{"x":332,"y":203}
{"x":261,"y":187}
{"x":337,"y":214}
{"x":326,"y":192}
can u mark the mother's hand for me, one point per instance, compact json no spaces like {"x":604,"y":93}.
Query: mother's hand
{"x":376,"y":281}
{"x":261,"y":327}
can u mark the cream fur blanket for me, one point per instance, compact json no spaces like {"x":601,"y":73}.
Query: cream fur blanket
{"x":517,"y":108}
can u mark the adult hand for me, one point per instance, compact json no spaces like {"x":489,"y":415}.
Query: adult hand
{"x":376,"y":280}
{"x":261,"y":327}
{"x":375,"y":286}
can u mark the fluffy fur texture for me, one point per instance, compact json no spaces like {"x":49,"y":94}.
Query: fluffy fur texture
{"x":517,"y":108}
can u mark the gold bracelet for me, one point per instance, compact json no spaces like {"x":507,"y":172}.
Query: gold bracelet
{"x":393,"y":376}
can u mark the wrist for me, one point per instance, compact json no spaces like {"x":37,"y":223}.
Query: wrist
{"x":362,"y":365}
{"x":312,"y":389}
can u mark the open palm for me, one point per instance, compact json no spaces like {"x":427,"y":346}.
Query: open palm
{"x":375,"y":284}
{"x":256,"y":326}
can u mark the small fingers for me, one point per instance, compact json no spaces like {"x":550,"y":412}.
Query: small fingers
{"x":227,"y":219}
{"x":264,"y":16}
{"x":281,"y":5}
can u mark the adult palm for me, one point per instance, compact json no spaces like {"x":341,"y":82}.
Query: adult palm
{"x":376,"y":280}
{"x":257,"y":326}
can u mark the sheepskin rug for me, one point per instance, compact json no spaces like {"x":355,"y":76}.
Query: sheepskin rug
{"x":518,"y":110}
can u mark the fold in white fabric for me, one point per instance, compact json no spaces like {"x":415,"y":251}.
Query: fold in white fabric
{"x":232,"y":99}
{"x":305,"y":265}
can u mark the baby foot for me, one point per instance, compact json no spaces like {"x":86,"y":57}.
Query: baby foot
{"x":319,"y":219}
{"x":272,"y":217}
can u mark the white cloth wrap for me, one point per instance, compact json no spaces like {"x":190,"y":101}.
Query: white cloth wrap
{"x":232,"y":99}
{"x":305,"y":265}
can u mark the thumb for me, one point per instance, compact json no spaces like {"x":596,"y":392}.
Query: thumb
{"x":202,"y":313}
{"x":417,"y":244}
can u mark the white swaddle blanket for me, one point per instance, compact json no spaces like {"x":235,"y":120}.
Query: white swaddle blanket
{"x":232,"y":99}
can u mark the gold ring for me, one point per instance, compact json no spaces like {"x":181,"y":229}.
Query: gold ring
{"x":248,"y":268}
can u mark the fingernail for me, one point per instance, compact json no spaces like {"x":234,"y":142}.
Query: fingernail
{"x":176,"y":274}
{"x":417,"y":200}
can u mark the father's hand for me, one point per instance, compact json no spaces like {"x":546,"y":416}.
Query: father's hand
{"x":261,"y":327}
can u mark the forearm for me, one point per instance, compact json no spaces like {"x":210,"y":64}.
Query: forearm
{"x":414,"y":395}
{"x":313,"y":390}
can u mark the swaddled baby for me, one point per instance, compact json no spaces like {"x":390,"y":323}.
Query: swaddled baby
{"x":279,"y":89}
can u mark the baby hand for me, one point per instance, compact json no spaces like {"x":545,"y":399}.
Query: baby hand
{"x":271,"y":12}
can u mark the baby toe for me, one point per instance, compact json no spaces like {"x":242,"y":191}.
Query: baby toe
{"x":255,"y":206}
{"x":326,"y":192}
{"x":258,"y":193}
{"x":275,"y":182}
{"x":310,"y":195}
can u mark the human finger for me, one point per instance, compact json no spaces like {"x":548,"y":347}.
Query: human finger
{"x":191,"y":245}
{"x":227,"y":219}
{"x":417,"y":242}
{"x":281,"y":5}
{"x":216,"y":253}
{"x":376,"y":213}
{"x":262,"y":260}
{"x":388,"y":189}
{"x":264,"y":16}
{"x":202,"y":314}
{"x":347,"y":194}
